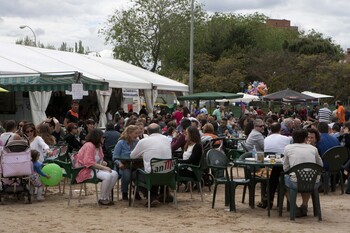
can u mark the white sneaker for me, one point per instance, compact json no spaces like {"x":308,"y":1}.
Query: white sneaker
{"x":40,"y":198}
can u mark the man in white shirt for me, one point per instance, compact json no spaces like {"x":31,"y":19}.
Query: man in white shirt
{"x":154,"y":146}
{"x":276,"y":142}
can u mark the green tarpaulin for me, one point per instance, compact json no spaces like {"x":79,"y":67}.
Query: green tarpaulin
{"x":48,"y":82}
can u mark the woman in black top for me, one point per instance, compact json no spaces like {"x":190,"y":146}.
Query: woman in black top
{"x":193,"y":150}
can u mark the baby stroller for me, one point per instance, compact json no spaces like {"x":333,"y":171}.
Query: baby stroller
{"x":16,"y":168}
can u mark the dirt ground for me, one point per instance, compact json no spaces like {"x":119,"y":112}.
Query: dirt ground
{"x":192,"y":215}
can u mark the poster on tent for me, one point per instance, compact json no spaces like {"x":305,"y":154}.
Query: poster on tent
{"x":132,"y":104}
{"x":130,"y":93}
{"x":77,"y":91}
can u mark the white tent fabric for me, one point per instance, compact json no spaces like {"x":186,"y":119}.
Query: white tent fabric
{"x":24,"y":59}
{"x":119,"y":74}
{"x":246,"y":98}
{"x":161,"y":82}
{"x":103,"y":98}
{"x":8,"y":67}
{"x":95,"y":70}
{"x":46,"y":60}
{"x":150,"y":99}
{"x":316,"y":95}
{"x":38,"y":103}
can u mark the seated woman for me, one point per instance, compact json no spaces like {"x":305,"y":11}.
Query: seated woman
{"x":91,"y":156}
{"x":36,"y":142}
{"x":71,"y":139}
{"x":297,"y":153}
{"x":125,"y":145}
{"x":193,"y":151}
{"x":208,"y":134}
{"x":44,"y":132}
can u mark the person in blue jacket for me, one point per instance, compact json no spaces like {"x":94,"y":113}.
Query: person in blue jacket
{"x":35,"y":177}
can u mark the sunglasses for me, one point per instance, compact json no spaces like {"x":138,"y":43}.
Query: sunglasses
{"x":260,"y":126}
{"x":29,"y":131}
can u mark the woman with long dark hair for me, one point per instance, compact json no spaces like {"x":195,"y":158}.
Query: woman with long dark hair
{"x":193,"y":150}
{"x":91,"y":156}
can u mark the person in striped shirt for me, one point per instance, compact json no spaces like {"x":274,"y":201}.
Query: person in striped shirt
{"x":325,"y":114}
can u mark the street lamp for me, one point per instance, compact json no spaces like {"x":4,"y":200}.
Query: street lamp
{"x":191,"y":48}
{"x":26,"y":26}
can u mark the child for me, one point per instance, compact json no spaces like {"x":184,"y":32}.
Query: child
{"x":35,"y":178}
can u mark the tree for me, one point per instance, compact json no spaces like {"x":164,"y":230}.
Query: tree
{"x":314,"y":43}
{"x":79,"y":48}
{"x":149,"y":31}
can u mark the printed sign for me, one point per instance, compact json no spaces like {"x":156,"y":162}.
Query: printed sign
{"x":130,"y":93}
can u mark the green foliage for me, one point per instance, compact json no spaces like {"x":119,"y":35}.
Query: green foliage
{"x":314,"y":43}
{"x":228,"y":49}
{"x":151,"y":32}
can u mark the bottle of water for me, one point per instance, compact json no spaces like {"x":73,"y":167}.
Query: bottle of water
{"x":254,"y":154}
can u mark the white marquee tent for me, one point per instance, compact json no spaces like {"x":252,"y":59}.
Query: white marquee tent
{"x":18,"y":59}
{"x":316,"y":95}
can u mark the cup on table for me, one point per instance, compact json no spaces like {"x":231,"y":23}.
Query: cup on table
{"x":273,"y":158}
{"x":260,"y":156}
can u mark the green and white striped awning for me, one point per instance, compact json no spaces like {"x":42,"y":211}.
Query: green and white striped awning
{"x":49,"y":82}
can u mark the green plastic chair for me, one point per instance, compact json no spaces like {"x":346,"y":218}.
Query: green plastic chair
{"x":162,"y":173}
{"x":71,"y":173}
{"x":306,"y":174}
{"x":335,"y":157}
{"x":197,"y":179}
{"x":219,"y":164}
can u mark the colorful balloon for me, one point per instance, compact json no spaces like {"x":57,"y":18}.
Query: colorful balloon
{"x":55,"y":173}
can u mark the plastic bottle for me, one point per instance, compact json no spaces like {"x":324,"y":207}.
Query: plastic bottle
{"x":254,"y":154}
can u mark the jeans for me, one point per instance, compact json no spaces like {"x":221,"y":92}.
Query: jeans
{"x":294,"y":185}
{"x":126,"y":178}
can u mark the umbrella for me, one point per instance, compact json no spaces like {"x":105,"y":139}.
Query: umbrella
{"x":246,"y":98}
{"x":288,"y":95}
{"x":210,"y":96}
{"x":316,"y":95}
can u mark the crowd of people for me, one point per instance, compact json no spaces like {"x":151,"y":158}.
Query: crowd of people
{"x":181,"y":134}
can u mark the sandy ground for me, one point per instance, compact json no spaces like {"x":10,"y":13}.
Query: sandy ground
{"x":192,"y":215}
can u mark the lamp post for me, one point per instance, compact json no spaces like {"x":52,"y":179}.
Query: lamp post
{"x":26,"y":26}
{"x":191,"y":48}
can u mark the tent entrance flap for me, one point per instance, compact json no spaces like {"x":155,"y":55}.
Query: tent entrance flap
{"x":49,"y":82}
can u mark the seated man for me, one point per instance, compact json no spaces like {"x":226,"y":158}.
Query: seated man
{"x":274,"y":143}
{"x":297,"y":153}
{"x":256,"y":138}
{"x":225,"y":130}
{"x":154,"y":146}
{"x":326,"y":141}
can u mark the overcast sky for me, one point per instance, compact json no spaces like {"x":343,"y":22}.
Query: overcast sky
{"x":69,"y":21}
